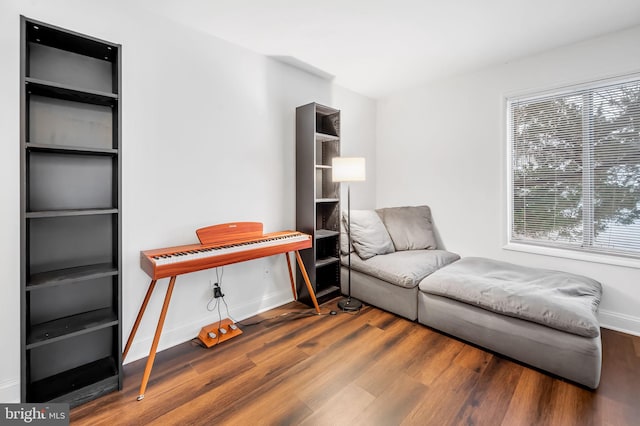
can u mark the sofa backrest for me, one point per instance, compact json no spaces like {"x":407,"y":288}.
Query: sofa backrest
{"x":410,"y":227}
{"x":407,"y":228}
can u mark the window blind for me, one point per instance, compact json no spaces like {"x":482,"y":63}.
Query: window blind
{"x":575,"y":168}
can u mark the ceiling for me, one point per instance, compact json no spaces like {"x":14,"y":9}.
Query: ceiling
{"x":375,"y":47}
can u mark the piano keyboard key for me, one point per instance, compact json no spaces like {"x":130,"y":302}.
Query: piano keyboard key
{"x":170,"y":258}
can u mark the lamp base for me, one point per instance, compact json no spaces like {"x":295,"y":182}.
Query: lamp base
{"x":349,"y":304}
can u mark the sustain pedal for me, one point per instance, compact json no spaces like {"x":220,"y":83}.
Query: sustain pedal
{"x":213,"y":334}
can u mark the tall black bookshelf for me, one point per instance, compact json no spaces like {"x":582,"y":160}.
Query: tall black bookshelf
{"x":70,"y":140}
{"x":318,"y":198}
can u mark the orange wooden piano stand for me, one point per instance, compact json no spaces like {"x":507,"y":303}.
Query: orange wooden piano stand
{"x":219,"y":245}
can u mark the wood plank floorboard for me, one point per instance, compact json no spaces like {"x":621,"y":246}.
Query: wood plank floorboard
{"x":292,"y":367}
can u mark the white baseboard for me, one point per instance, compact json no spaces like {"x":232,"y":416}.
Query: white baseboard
{"x":10,"y":391}
{"x":185,"y":332}
{"x":620,"y":322}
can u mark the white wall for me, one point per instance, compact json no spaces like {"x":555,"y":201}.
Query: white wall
{"x":444,"y":144}
{"x":358,"y":139}
{"x":208,"y":137}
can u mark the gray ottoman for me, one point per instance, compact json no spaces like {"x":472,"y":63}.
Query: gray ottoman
{"x":547,"y":319}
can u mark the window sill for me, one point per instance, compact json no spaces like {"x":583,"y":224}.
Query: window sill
{"x":575,"y":255}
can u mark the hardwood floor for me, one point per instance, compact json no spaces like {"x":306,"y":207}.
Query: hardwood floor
{"x":372,"y":368}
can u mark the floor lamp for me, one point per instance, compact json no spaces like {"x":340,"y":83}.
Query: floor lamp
{"x":348,"y":169}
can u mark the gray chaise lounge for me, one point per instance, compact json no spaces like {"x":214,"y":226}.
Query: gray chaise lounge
{"x":546,"y":319}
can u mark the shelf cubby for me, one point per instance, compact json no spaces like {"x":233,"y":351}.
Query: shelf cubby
{"x":70,"y":242}
{"x":51,"y":64}
{"x":328,"y":279}
{"x":328,"y":215}
{"x":69,"y":41}
{"x":65,"y":122}
{"x":59,"y":181}
{"x":64,"y":355}
{"x":327,"y":121}
{"x":79,"y":384}
{"x":63,"y":302}
{"x":326,"y":150}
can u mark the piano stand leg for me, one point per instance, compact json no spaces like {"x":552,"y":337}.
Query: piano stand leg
{"x":307,"y":282}
{"x":138,"y":318}
{"x":156,"y":339}
{"x":293,"y":284}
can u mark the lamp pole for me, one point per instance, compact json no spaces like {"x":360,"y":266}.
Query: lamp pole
{"x":348,"y":169}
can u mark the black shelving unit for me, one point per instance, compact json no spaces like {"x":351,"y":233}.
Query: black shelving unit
{"x":70,"y":215}
{"x":318,"y":198}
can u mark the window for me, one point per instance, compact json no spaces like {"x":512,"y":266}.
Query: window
{"x":575,"y":168}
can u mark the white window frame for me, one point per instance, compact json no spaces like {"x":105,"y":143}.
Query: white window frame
{"x":543,"y":249}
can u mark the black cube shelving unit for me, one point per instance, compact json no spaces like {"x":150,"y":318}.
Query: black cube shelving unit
{"x":70,"y":145}
{"x":318,"y":198}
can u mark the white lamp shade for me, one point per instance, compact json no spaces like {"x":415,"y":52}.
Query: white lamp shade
{"x":348,"y":169}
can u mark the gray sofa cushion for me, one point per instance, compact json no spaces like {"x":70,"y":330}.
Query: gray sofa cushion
{"x":374,"y":291}
{"x":410,"y":228}
{"x":368,"y":235}
{"x":403,"y":268}
{"x":560,"y":300}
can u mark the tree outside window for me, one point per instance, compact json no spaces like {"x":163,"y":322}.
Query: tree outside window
{"x":575,"y":169}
